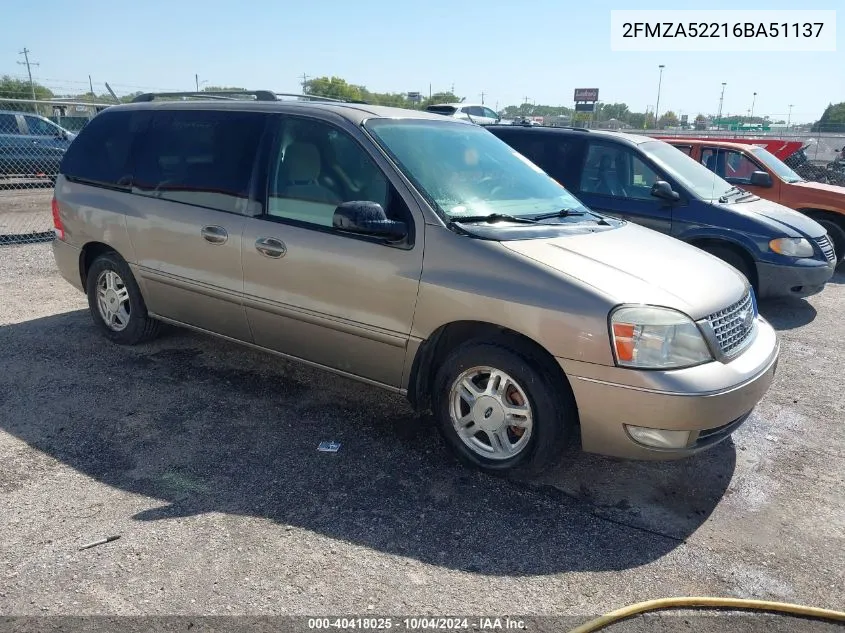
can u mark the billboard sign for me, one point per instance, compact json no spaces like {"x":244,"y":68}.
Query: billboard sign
{"x":585,"y":107}
{"x":586,"y":94}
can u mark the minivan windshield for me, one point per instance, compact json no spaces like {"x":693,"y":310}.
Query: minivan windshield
{"x":687,"y":171}
{"x":466,"y":171}
{"x":781,"y":169}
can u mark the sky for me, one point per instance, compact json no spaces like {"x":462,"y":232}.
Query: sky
{"x":541,"y":52}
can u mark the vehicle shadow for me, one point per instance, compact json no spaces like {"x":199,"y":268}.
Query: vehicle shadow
{"x":787,"y":313}
{"x":199,"y":425}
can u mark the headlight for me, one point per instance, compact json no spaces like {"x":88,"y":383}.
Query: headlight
{"x":792,"y":247}
{"x":649,"y":337}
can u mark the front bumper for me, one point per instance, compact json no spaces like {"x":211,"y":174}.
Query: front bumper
{"x":800,"y":280}
{"x":712,"y":400}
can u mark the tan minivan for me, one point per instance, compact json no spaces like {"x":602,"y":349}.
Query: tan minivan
{"x":417,"y":253}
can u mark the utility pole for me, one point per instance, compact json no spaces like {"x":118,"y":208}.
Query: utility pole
{"x":751,"y":112}
{"x":25,"y":52}
{"x":304,"y":83}
{"x":91,"y":86}
{"x":197,"y":80}
{"x":453,"y":88}
{"x":789,"y":117}
{"x":721,"y":100}
{"x":657,"y":103}
{"x":482,"y":98}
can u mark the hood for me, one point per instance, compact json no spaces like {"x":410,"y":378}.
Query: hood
{"x":633,"y":264}
{"x":830,"y":192}
{"x":779,"y":217}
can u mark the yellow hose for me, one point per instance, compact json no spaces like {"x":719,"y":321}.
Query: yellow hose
{"x":717,"y":603}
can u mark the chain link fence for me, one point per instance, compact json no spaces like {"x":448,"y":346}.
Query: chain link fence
{"x":34,"y":135}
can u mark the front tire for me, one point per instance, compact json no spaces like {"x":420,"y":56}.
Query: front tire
{"x":499,"y":410}
{"x":115,"y":302}
{"x":730,"y":256}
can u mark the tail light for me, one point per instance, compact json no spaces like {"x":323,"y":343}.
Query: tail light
{"x":58,"y":227}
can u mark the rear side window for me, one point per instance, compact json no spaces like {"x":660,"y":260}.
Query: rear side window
{"x":40,"y":127}
{"x":201,"y":157}
{"x":532,"y":146}
{"x":100,"y":154}
{"x":8,"y":124}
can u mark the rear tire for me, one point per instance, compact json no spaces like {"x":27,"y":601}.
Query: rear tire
{"x":115,"y":302}
{"x":500,"y":411}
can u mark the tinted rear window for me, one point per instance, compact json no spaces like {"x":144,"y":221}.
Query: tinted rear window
{"x":441,"y":109}
{"x":200,"y":157}
{"x":8,"y":124}
{"x":100,"y":154}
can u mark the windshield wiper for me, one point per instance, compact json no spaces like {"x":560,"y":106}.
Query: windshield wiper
{"x":565,"y":213}
{"x":493,"y":217}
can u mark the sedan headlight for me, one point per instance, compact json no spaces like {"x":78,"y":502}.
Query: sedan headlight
{"x":648,"y":337}
{"x":792,"y":247}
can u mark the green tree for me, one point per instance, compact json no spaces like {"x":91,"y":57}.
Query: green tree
{"x":334,"y":88}
{"x":617,"y":111}
{"x":668,"y":119}
{"x":11,"y":88}
{"x":832,"y":119}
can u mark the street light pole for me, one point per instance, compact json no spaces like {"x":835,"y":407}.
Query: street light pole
{"x":789,"y":117}
{"x":721,"y":101}
{"x":753,"y":101}
{"x":657,"y":105}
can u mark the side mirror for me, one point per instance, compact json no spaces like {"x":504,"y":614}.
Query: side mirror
{"x":663,"y":190}
{"x":761,"y":179}
{"x":367,"y":218}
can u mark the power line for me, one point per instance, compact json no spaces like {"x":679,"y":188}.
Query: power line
{"x":25,"y":52}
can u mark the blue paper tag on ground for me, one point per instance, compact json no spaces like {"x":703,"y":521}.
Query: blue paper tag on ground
{"x":329,"y":447}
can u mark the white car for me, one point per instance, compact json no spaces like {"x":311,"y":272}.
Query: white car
{"x":473,"y":112}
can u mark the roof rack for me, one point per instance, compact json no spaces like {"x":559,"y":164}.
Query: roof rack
{"x":260,"y":95}
{"x":311,"y":97}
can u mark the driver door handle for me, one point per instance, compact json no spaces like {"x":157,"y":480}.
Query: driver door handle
{"x":271,"y":247}
{"x":214,"y":234}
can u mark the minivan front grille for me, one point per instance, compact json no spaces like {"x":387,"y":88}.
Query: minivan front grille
{"x":734,"y":325}
{"x":827,"y":247}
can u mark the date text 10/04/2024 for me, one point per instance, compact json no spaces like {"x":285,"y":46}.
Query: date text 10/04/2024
{"x":479,"y":624}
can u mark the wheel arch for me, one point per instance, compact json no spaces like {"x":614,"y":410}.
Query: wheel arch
{"x":90,"y":252}
{"x":735,"y":247}
{"x":434,"y":350}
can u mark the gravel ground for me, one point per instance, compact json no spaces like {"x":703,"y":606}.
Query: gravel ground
{"x":24,"y":210}
{"x":201,"y":455}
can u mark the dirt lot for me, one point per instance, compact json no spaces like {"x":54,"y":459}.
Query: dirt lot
{"x":24,"y":207}
{"x":202,"y":456}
